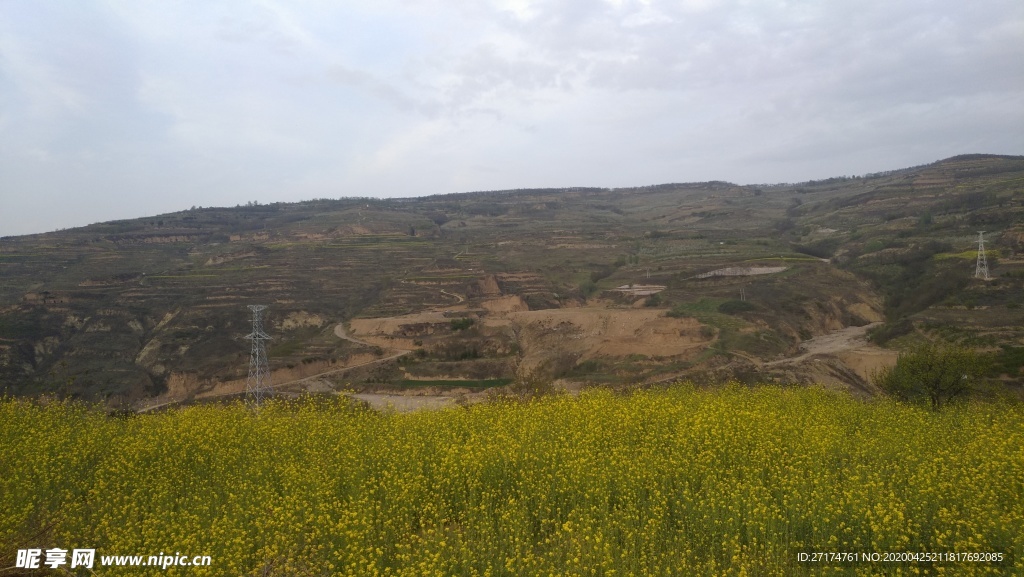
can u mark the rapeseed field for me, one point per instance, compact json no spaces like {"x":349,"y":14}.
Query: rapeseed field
{"x":676,"y":481}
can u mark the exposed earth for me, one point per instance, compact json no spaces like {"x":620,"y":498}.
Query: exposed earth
{"x":459,"y":296}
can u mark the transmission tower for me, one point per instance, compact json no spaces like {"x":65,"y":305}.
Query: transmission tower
{"x":257,"y":386}
{"x":981,"y":270}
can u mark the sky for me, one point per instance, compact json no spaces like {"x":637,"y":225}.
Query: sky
{"x":122,"y":109}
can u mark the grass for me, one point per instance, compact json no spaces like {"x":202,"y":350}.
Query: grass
{"x":285,"y":348}
{"x":761,"y":343}
{"x":971,"y":254}
{"x":676,"y":481}
{"x":706,"y":311}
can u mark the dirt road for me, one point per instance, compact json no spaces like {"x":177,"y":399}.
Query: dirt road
{"x":459,"y":298}
{"x":340,"y":332}
{"x":846,"y":340}
{"x":832,"y":343}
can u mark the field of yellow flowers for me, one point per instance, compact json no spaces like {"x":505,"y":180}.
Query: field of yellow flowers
{"x":676,"y":481}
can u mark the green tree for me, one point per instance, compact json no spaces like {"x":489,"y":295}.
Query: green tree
{"x":461,"y":324}
{"x":588,"y":288}
{"x":932,"y":373}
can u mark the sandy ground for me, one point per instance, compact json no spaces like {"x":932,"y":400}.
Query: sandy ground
{"x":341,"y":333}
{"x":505,"y":304}
{"x":598,"y":331}
{"x":586,"y":332}
{"x":866,"y":361}
{"x":374,"y":328}
{"x":594,"y":332}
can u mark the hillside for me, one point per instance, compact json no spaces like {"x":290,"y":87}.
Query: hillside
{"x":466,"y":291}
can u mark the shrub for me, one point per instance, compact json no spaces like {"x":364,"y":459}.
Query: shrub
{"x":676,"y":313}
{"x":933,"y":373}
{"x":889,"y":331}
{"x":461,"y":324}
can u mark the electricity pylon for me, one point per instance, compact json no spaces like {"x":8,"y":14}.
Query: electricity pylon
{"x":981,"y":269}
{"x":257,"y":386}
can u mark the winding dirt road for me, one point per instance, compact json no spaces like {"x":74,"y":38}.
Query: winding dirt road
{"x":832,"y":343}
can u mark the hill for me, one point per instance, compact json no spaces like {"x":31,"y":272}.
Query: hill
{"x":460,"y":292}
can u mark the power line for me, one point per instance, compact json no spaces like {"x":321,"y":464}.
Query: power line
{"x":257,"y":386}
{"x":981,"y":269}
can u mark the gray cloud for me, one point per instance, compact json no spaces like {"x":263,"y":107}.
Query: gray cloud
{"x":112,"y":110}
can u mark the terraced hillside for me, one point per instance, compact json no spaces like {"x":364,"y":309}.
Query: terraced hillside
{"x":489,"y":288}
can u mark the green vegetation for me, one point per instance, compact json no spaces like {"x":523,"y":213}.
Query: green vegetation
{"x":1008,"y":361}
{"x":129,"y":305}
{"x":461,"y":324}
{"x":587,"y":288}
{"x":881,"y":335}
{"x":933,"y":374}
{"x":736,"y":306}
{"x":707,"y":311}
{"x":912,"y":280}
{"x":968,"y":254}
{"x":677,"y":481}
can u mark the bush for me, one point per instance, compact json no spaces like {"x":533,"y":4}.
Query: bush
{"x":588,"y":288}
{"x":678,"y":312}
{"x":461,"y":324}
{"x":1009,"y":361}
{"x":820,"y":249}
{"x":933,"y":373}
{"x":889,"y":331}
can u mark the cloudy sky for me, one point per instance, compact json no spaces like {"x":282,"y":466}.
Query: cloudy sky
{"x":121,"y":109}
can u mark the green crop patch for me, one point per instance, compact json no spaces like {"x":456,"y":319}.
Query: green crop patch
{"x":968,"y":254}
{"x":706,"y":310}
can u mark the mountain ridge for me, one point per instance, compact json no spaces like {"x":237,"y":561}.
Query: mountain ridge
{"x":126,"y":310}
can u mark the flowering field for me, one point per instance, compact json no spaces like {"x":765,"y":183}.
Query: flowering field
{"x":678,"y":481}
